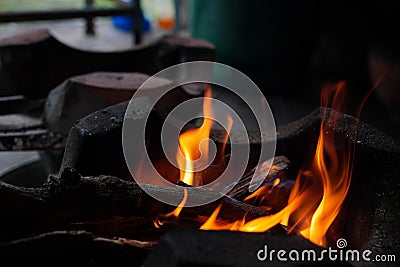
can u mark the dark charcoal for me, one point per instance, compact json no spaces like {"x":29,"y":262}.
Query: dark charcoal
{"x":70,"y":248}
{"x":189,"y":247}
{"x":94,"y":145}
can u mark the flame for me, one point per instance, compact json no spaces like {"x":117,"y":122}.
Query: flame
{"x":262,"y":191}
{"x":319,"y":191}
{"x":175,"y":213}
{"x":177,"y":210}
{"x":212,"y":223}
{"x":192,"y":145}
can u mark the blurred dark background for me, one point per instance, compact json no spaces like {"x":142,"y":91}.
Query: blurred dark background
{"x":291,"y":49}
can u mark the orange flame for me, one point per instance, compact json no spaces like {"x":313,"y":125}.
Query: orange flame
{"x":193,"y":148}
{"x":175,"y":213}
{"x":212,"y":223}
{"x":192,"y":145}
{"x":262,"y":191}
{"x":318,"y":193}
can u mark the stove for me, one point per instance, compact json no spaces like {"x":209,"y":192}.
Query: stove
{"x":91,"y":211}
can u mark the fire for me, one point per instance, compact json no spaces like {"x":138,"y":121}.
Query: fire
{"x":319,"y":191}
{"x":175,"y":213}
{"x":194,"y":144}
{"x":262,"y":191}
{"x":195,"y":148}
{"x":212,"y":223}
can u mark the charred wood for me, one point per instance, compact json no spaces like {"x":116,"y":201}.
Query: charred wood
{"x":76,"y":198}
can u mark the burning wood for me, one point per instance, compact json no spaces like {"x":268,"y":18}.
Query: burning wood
{"x":108,"y":206}
{"x":75,"y":198}
{"x":295,"y":140}
{"x":315,"y":198}
{"x":117,"y":216}
{"x":278,"y":170}
{"x":319,"y":191}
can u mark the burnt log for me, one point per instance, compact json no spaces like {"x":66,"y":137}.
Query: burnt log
{"x":278,"y":170}
{"x":35,"y":62}
{"x":75,"y":197}
{"x":110,"y":226}
{"x":73,"y":248}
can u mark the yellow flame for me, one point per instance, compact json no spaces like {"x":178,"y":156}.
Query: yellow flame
{"x":190,"y":143}
{"x":175,"y":213}
{"x":212,"y":223}
{"x":177,"y":210}
{"x":262,"y":191}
